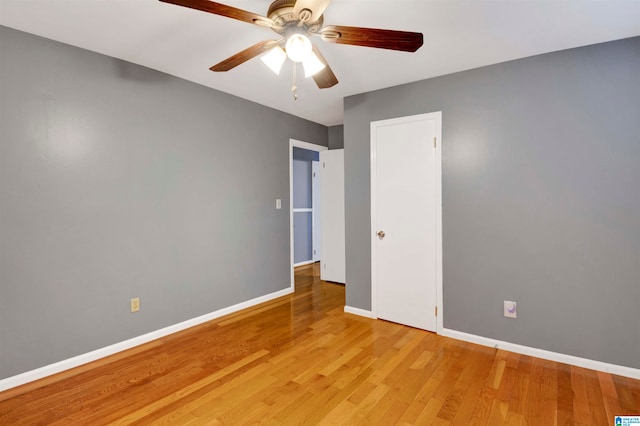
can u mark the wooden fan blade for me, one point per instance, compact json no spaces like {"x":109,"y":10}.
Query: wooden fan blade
{"x":224,"y":10}
{"x":316,"y":7}
{"x":324,"y":78}
{"x":373,"y":37}
{"x":242,"y":57}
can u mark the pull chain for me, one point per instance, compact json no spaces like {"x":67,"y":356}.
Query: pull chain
{"x":294,"y":88}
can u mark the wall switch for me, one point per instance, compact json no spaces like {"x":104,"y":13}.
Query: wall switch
{"x":278,"y":203}
{"x":135,"y":304}
{"x":510,"y":309}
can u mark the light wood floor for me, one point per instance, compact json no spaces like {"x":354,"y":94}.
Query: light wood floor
{"x":301,"y":360}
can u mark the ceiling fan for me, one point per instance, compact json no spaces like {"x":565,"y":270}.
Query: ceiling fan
{"x":294,"y":21}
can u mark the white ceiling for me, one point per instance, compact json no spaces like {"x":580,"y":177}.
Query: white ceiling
{"x":458,"y":34}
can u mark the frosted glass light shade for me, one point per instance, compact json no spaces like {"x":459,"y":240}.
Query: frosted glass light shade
{"x":298,"y":47}
{"x":312,"y":65}
{"x":274,"y":59}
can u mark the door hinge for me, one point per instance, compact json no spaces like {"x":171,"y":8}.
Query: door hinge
{"x":434,"y":142}
{"x":324,"y":165}
{"x":436,"y":311}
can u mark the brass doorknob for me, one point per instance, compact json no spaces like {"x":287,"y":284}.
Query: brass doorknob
{"x":381,"y":234}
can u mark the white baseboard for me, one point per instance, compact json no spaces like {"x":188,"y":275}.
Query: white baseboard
{"x":620,"y":370}
{"x":358,"y":311}
{"x":58,"y":367}
{"x":306,"y":262}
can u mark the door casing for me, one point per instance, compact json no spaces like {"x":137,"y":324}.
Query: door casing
{"x":316,"y":214}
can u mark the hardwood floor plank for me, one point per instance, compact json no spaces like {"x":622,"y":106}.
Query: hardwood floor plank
{"x":565,"y":396}
{"x":300,"y":359}
{"x":534,"y":402}
{"x":595,"y":398}
{"x":498,"y":414}
{"x":185,"y":392}
{"x":549,"y":413}
{"x":430,"y":412}
{"x":627,"y":395}
{"x":581,"y":406}
{"x":483,"y":407}
{"x":227,"y":400}
{"x":339,"y":414}
{"x":362,"y":409}
{"x":472,"y":386}
{"x":409,"y":417}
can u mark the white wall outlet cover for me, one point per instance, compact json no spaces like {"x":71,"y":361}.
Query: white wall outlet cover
{"x":278,"y":203}
{"x":510,"y":309}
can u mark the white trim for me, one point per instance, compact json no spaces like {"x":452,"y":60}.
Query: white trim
{"x":306,"y":262}
{"x":374,"y":219}
{"x":303,"y":210}
{"x":67,"y":364}
{"x":438,"y":189}
{"x":306,"y":145}
{"x":310,"y":147}
{"x":437,"y":116}
{"x":316,"y":210}
{"x":359,"y":312}
{"x":620,"y":370}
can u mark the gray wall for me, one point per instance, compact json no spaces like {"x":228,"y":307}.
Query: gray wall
{"x":302,"y":179}
{"x":336,"y":137}
{"x":302,"y":237}
{"x":117,"y":181}
{"x":541,"y":198}
{"x":303,"y":198}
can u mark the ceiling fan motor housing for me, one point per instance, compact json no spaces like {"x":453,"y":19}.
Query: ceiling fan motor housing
{"x":281,"y":12}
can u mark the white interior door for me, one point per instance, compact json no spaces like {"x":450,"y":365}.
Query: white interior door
{"x":404,"y":219}
{"x":333,"y":263}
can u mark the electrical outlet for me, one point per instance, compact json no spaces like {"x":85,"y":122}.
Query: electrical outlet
{"x":135,"y":304}
{"x":510,"y":309}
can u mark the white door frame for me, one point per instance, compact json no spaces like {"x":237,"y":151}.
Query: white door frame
{"x":310,"y":147}
{"x":316,"y":210}
{"x":438,"y":195}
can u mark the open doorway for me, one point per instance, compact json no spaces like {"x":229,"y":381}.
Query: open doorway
{"x":303,"y":206}
{"x":306,"y":203}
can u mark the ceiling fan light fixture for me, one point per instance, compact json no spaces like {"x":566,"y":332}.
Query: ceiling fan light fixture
{"x":298,"y":47}
{"x":312,"y":65}
{"x":295,"y":21}
{"x":274,"y":59}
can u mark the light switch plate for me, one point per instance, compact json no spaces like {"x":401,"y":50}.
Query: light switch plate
{"x":278,"y":203}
